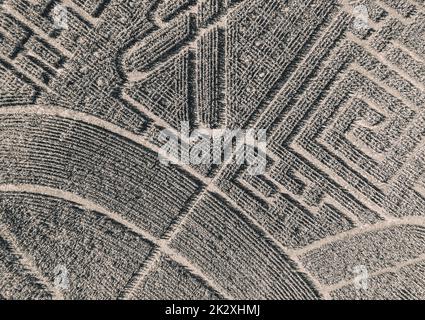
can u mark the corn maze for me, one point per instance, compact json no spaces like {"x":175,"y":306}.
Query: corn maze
{"x":88,"y":210}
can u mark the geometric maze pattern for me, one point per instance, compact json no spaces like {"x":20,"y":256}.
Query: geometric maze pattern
{"x":81,"y":184}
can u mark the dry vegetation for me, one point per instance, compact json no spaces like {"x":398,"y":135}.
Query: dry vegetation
{"x":81,"y":184}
